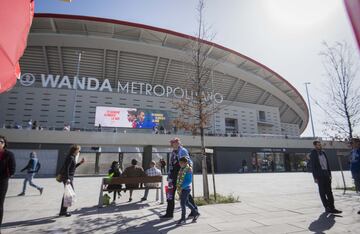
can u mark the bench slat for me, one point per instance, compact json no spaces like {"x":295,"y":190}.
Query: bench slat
{"x":132,"y":180}
{"x":123,"y":189}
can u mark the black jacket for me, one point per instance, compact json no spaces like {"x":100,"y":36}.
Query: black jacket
{"x":68,"y":170}
{"x":317,"y":171}
{"x":31,"y":168}
{"x":7,"y":165}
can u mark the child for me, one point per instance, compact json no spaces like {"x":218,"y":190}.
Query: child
{"x":183,"y":184}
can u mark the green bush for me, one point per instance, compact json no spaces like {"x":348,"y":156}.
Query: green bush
{"x":220,"y":199}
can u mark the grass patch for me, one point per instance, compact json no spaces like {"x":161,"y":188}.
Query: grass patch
{"x":220,"y":199}
{"x":347,"y":188}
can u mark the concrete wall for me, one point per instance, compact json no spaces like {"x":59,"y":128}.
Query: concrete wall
{"x":229,"y":151}
{"x":142,"y":139}
{"x":53,"y":108}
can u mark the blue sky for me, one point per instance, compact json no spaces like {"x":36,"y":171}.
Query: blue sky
{"x":284,"y":35}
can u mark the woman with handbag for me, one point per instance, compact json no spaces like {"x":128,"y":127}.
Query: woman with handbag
{"x":68,"y":172}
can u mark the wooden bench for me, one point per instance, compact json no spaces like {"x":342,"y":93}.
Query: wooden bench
{"x":132,"y":180}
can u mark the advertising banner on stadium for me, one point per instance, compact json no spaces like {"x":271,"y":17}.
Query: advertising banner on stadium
{"x":131,"y":118}
{"x":112,"y":117}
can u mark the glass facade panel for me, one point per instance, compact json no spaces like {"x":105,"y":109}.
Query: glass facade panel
{"x":106,"y":160}
{"x":87,"y":168}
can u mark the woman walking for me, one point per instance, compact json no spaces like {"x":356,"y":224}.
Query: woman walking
{"x":68,"y":172}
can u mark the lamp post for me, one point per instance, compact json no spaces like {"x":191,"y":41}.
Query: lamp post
{"x":311,"y":118}
{"x":75,"y":86}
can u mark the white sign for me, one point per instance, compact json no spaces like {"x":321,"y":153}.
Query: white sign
{"x":113,"y":117}
{"x":93,"y":84}
{"x":27,"y":79}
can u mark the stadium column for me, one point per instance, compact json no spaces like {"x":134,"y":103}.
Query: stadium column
{"x":121,"y":159}
{"x":147,"y":156}
{"x":97,"y":161}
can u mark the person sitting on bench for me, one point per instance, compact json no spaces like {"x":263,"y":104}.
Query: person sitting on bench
{"x":115,"y":171}
{"x":152,"y":171}
{"x":133,"y":171}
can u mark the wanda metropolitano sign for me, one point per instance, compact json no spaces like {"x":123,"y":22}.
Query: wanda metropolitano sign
{"x":94,"y":84}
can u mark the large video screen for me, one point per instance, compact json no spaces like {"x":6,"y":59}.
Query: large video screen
{"x":131,"y":117}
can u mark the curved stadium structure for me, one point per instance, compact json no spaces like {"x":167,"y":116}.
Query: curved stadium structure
{"x":139,"y":70}
{"x":258,"y":100}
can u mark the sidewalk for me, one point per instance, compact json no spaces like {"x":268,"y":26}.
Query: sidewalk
{"x":270,"y":203}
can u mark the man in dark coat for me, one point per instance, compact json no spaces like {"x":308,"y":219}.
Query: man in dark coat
{"x":133,"y":171}
{"x":7,"y":169}
{"x":322,"y":176}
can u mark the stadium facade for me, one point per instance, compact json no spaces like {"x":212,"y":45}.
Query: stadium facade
{"x":129,"y":65}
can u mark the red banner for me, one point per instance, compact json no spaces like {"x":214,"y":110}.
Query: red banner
{"x":353,"y":9}
{"x":15,"y":21}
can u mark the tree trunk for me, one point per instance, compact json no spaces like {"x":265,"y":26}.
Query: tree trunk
{"x":204,"y":166}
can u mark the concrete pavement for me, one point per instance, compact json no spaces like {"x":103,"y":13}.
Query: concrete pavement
{"x":270,"y":203}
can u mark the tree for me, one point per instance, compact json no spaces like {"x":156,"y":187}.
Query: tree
{"x":197,"y":108}
{"x":342,"y":105}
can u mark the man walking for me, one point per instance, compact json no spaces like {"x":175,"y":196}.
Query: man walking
{"x":322,"y":176}
{"x":32,"y":168}
{"x":174,"y":166}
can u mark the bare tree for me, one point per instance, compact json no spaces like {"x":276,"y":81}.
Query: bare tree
{"x":342,"y":104}
{"x":197,"y":107}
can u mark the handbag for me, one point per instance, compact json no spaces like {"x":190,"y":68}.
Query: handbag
{"x":59,"y":178}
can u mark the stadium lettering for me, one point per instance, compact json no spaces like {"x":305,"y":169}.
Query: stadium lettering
{"x":93,"y":84}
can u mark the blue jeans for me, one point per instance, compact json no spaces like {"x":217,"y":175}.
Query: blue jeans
{"x":29,"y":177}
{"x":184,"y":201}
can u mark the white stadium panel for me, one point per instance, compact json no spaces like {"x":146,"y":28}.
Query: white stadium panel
{"x":33,"y":60}
{"x":40,"y":25}
{"x":69,"y":26}
{"x":53,"y":59}
{"x":289,"y":116}
{"x":222,"y":82}
{"x":110,"y":65}
{"x":176,"y":74}
{"x":250,"y":94}
{"x":136,"y":67}
{"x":274,"y":101}
{"x":161,"y":71}
{"x":98,"y":29}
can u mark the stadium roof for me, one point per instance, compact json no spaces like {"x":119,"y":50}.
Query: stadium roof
{"x":239,"y":78}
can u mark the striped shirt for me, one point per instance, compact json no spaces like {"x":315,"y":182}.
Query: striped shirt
{"x":153,"y":171}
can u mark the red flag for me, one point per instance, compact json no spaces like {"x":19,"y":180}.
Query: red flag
{"x":353,"y":9}
{"x":15,"y":21}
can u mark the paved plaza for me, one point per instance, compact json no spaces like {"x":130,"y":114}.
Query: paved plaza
{"x":270,"y":203}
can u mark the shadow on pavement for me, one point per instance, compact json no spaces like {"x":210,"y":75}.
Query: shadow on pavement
{"x":110,"y":219}
{"x":119,"y":207}
{"x":30,"y":222}
{"x":324,"y":222}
